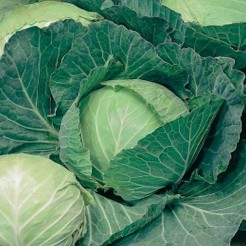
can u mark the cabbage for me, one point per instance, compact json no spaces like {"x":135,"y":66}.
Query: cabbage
{"x":121,"y":113}
{"x":41,"y":14}
{"x":209,"y":12}
{"x":6,"y":5}
{"x":41,"y":203}
{"x":214,"y":28}
{"x":182,"y":178}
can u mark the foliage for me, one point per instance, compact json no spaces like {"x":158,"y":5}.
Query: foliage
{"x":181,"y":181}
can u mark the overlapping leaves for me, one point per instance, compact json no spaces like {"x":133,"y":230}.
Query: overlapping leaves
{"x":213,"y":76}
{"x":153,"y":21}
{"x":207,"y":213}
{"x":110,"y":220}
{"x":105,"y":41}
{"x":74,"y":61}
{"x":163,"y":157}
{"x":228,"y":41}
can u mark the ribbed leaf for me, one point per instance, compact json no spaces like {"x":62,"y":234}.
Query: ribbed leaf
{"x":73,"y":153}
{"x":101,"y":44}
{"x":161,"y":158}
{"x":30,"y":57}
{"x":109,"y":220}
{"x":228,"y":40}
{"x":33,"y":209}
{"x":214,"y":77}
{"x":208,"y":214}
{"x":153,"y":21}
{"x":214,"y":28}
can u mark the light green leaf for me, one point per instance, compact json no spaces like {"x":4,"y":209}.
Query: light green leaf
{"x":42,"y":203}
{"x":209,"y":12}
{"x":162,"y":101}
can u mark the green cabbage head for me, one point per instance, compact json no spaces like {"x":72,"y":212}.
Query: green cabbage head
{"x":209,"y":12}
{"x":41,"y":14}
{"x":41,"y":202}
{"x":115,"y":117}
{"x":6,"y":5}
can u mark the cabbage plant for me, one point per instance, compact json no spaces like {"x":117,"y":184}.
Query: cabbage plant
{"x":42,"y":203}
{"x":117,"y":116}
{"x":41,"y":14}
{"x":67,"y":88}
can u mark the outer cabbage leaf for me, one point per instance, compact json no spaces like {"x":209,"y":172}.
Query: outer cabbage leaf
{"x":31,"y":56}
{"x":162,"y":157}
{"x":109,"y":220}
{"x":214,"y":77}
{"x":100,"y":45}
{"x":214,"y":29}
{"x":77,"y":157}
{"x":153,"y":21}
{"x":207,"y":213}
{"x":158,"y":24}
{"x":227,"y":40}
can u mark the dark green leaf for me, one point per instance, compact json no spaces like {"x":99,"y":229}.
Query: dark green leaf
{"x":161,"y":158}
{"x":207,"y":214}
{"x":228,"y":40}
{"x":101,"y":45}
{"x":215,"y":77}
{"x":109,"y":220}
{"x":153,"y":21}
{"x":73,"y":153}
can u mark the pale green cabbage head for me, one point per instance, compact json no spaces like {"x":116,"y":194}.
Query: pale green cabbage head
{"x":209,"y":12}
{"x":41,"y":202}
{"x":7,"y":5}
{"x":121,"y":113}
